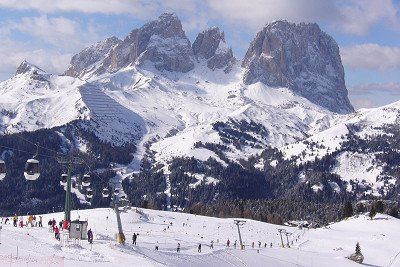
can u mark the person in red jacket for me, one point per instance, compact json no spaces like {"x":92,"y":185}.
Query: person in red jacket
{"x":57,"y":233}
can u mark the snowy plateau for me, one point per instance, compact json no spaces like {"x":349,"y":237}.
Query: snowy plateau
{"x":158,"y":98}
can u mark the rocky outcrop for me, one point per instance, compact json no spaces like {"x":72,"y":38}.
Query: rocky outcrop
{"x":26,"y":67}
{"x":32,"y":71}
{"x":162,"y":42}
{"x":302,"y":58}
{"x":211,"y":46}
{"x":86,"y":60}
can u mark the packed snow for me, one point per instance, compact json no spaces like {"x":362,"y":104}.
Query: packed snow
{"x":327,"y":246}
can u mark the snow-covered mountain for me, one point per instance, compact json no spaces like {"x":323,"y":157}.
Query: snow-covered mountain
{"x":173,"y":99}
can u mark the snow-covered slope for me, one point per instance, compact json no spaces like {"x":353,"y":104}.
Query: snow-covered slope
{"x":327,"y":246}
{"x":348,"y":138}
{"x":204,"y":103}
{"x":33,"y":99}
{"x":181,"y":109}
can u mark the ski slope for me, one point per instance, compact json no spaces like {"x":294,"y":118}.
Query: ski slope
{"x":316,"y":247}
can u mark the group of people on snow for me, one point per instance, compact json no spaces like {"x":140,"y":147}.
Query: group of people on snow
{"x":32,"y":221}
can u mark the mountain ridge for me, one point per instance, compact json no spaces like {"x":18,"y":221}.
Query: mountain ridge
{"x":190,"y":120}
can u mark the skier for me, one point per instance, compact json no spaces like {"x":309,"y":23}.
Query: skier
{"x":178,"y":248}
{"x":15,"y":219}
{"x":228,"y":243}
{"x":212,"y":244}
{"x":40,"y":221}
{"x":57,"y":233}
{"x":50,"y":224}
{"x":90,"y":236}
{"x":234,"y":244}
{"x":156,"y":248}
{"x":259,"y":244}
{"x":265,"y":245}
{"x":252,"y":244}
{"x":134,"y":237}
{"x":21,"y":222}
{"x":199,"y":248}
{"x":270,"y":245}
{"x":53,"y":224}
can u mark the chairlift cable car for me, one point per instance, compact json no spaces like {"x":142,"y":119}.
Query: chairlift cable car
{"x":2,"y":170}
{"x":32,"y":172}
{"x":86,"y":180}
{"x":64,"y":178}
{"x":105,"y":192}
{"x":89,"y":193}
{"x":116,"y":192}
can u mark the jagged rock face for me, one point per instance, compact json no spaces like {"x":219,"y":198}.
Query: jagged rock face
{"x":33,"y":71}
{"x":302,"y":58}
{"x":26,"y":67}
{"x":85,"y":61}
{"x":162,"y":42}
{"x":210,"y":45}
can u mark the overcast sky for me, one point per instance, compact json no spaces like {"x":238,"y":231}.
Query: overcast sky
{"x":48,"y":32}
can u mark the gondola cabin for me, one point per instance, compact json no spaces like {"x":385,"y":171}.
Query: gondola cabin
{"x":2,"y":170}
{"x":116,"y":192}
{"x":86,"y":180}
{"x":64,"y":178}
{"x":31,"y":172}
{"x":89,"y":193}
{"x":105,"y":192}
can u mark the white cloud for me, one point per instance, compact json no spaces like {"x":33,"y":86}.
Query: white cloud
{"x":374,"y":94}
{"x":57,"y":31}
{"x":257,"y":13}
{"x":86,"y":6}
{"x":140,"y":8}
{"x":352,"y":16}
{"x":13,"y":53}
{"x":391,"y":88}
{"x":358,"y":16}
{"x":363,"y":103}
{"x":371,"y":56}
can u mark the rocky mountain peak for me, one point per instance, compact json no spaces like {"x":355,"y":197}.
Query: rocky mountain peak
{"x":301,"y":57}
{"x":26,"y":67}
{"x":211,"y":45}
{"x":86,"y":60}
{"x":162,"y":42}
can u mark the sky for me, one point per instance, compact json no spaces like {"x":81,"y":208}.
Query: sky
{"x":49,"y":32}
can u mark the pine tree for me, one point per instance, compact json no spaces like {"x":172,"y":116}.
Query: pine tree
{"x":379,"y":206}
{"x":347,"y":210}
{"x":360,"y":208}
{"x":394,"y":212}
{"x":358,"y":249}
{"x":372,"y":212}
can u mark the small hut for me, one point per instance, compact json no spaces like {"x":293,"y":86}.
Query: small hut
{"x":78,"y":230}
